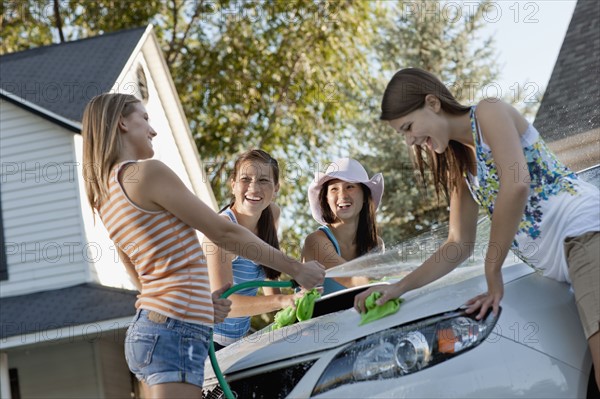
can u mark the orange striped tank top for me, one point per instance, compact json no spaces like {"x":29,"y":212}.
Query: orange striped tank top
{"x":166,"y":253}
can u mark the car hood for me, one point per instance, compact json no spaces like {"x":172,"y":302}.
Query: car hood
{"x":336,"y":329}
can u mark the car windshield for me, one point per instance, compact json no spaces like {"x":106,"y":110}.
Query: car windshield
{"x":398,"y":260}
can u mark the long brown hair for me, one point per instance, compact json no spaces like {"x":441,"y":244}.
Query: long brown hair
{"x":101,"y":141}
{"x":406,"y":93}
{"x":266,"y":229}
{"x":366,"y":231}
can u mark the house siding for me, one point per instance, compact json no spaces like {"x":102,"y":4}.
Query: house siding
{"x":116,"y":380}
{"x":164,"y":144}
{"x":161,"y":82}
{"x":55,"y":242}
{"x":45,"y":245}
{"x":106,"y":267}
{"x":57,"y":371}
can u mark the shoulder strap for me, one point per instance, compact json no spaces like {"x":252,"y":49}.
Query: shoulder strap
{"x":477,"y":136}
{"x":331,"y":237}
{"x":118,"y":169}
{"x":229,"y":213}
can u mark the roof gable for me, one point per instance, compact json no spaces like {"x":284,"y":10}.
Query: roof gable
{"x":570,"y":103}
{"x":62,"y":78}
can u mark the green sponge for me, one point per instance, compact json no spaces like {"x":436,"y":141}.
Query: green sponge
{"x":306,"y":305}
{"x":285,"y":317}
{"x":303,"y":310}
{"x":376,"y":312}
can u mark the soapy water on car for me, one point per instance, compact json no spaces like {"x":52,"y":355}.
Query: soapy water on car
{"x":400,"y":259}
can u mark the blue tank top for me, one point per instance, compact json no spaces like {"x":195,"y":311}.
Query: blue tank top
{"x":235,"y":328}
{"x":330,"y":285}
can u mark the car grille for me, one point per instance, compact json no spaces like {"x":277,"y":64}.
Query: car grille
{"x":269,"y":385}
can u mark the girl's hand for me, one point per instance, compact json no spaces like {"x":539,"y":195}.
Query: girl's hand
{"x":310,"y":274}
{"x":388,"y":292}
{"x":290,"y":300}
{"x":221,"y":306}
{"x":490,"y":299}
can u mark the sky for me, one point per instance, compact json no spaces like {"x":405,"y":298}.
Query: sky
{"x":528,"y":36}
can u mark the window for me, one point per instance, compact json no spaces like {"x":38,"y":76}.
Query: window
{"x":142,"y":83}
{"x":15,"y":390}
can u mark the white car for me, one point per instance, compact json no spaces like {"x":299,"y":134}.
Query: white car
{"x":429,"y":348}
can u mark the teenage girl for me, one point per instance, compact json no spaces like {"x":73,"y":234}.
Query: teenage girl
{"x":489,"y":155}
{"x":254,"y":184}
{"x":343,"y":200}
{"x":151,"y":216}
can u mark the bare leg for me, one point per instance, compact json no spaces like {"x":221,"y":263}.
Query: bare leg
{"x":175,"y":390}
{"x":144,"y":390}
{"x":594,"y":342}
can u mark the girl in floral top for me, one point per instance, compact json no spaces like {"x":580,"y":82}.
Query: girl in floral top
{"x":489,"y":155}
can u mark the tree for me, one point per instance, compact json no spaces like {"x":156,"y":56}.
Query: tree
{"x":280,"y":76}
{"x":283,"y":76}
{"x":301,"y":79}
{"x":25,"y":24}
{"x":438,"y":37}
{"x":28,"y":24}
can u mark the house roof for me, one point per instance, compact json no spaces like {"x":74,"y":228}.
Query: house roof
{"x":62,"y":78}
{"x":56,"y":309}
{"x":570,"y":103}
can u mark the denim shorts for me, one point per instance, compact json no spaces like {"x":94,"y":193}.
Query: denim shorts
{"x":169,"y":351}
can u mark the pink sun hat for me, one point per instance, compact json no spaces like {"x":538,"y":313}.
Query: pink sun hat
{"x":346,"y":169}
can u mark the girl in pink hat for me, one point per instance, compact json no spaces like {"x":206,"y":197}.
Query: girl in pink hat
{"x":343,"y":200}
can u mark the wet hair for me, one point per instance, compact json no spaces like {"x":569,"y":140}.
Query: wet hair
{"x":101,"y":141}
{"x":366,"y":231}
{"x":406,"y":93}
{"x":266,"y":229}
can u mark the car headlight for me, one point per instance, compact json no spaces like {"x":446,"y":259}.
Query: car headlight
{"x":406,"y":349}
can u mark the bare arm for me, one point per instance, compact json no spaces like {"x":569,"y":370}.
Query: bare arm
{"x":151,"y":184}
{"x":461,"y":238}
{"x":220,"y":270}
{"x":242,"y":305}
{"x":276,"y":212}
{"x":499,"y":125}
{"x":319,"y":248}
{"x":271,"y":291}
{"x":500,"y":132}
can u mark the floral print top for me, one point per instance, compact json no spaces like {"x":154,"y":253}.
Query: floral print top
{"x":548,"y":177}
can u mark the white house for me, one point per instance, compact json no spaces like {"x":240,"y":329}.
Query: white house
{"x":65,"y":299}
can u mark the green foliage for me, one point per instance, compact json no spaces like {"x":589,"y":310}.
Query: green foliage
{"x":90,"y":18}
{"x":302,"y":80}
{"x":32,"y":23}
{"x":25,"y":24}
{"x":283,"y":76}
{"x":285,"y":81}
{"x":423,"y":34}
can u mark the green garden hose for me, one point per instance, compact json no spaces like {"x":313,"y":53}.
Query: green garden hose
{"x":211,"y":348}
